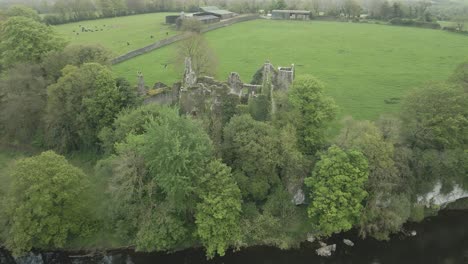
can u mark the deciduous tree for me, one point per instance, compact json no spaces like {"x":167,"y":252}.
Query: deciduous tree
{"x":314,"y":110}
{"x":337,"y":190}
{"x":251,"y":149}
{"x":23,"y":39}
{"x":46,"y":203}
{"x":82,"y":102}
{"x":218,"y":212}
{"x":436,"y":116}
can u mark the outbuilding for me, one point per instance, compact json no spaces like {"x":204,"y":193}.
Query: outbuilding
{"x":291,"y":14}
{"x":207,"y":19}
{"x":215,"y":11}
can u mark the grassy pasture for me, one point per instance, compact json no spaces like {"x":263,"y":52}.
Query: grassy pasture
{"x":366,"y":68}
{"x":114,"y":33}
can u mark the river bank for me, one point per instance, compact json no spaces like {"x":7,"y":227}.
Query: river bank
{"x":440,"y":239}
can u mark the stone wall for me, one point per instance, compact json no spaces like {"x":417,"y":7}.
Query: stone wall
{"x":179,"y":37}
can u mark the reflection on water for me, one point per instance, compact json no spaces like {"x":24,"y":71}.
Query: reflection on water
{"x":439,"y":240}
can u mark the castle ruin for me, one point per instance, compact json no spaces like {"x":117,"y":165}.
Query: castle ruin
{"x":198,"y":94}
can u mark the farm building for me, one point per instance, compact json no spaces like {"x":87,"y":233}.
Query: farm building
{"x":172,"y":19}
{"x":215,"y":11}
{"x":290,"y":14}
{"x":206,"y":19}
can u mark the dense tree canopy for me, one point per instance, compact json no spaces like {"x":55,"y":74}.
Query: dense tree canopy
{"x":23,"y":96}
{"x":46,"y":203}
{"x":436,"y":116}
{"x":156,"y":183}
{"x":23,"y":11}
{"x":128,"y":121}
{"x":314,"y":110}
{"x":218,"y":212}
{"x":387,"y":206}
{"x":337,"y":190}
{"x":23,"y":39}
{"x":82,"y":102}
{"x":76,"y":55}
{"x":251,"y":149}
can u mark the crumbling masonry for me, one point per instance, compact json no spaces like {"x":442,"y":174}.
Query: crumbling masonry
{"x":198,"y":94}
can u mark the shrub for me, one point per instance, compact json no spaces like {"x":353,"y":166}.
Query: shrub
{"x":414,"y":23}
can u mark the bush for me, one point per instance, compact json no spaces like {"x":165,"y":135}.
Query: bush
{"x":414,"y":23}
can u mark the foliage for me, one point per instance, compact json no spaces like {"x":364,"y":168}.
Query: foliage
{"x":23,"y":101}
{"x":279,"y":5}
{"x":294,"y":166}
{"x":46,"y":203}
{"x":337,"y":190}
{"x":26,"y":40}
{"x":218,"y":213}
{"x":260,"y":107}
{"x":154,"y":183}
{"x":387,"y":206}
{"x":177,"y":159}
{"x":82,"y":102}
{"x":76,"y":55}
{"x":128,"y":121}
{"x":314,"y":110}
{"x":251,"y":149}
{"x":436,"y":117}
{"x":204,"y":60}
{"x":23,"y":11}
{"x":460,"y":76}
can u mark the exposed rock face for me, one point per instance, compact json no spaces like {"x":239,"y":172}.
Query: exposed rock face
{"x":299,"y":197}
{"x":348,"y":242}
{"x":326,"y":251}
{"x":436,"y":197}
{"x":310,"y":238}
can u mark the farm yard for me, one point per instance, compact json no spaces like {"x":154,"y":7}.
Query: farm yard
{"x":120,"y":34}
{"x":366,"y":68}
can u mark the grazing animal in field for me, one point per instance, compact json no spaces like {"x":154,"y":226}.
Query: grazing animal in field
{"x":77,"y":33}
{"x":167,"y":33}
{"x":128,"y":43}
{"x":152,"y":36}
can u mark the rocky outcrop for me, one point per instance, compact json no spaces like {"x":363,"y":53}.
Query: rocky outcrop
{"x":299,"y":197}
{"x":348,"y":242}
{"x":326,"y":251}
{"x":436,"y":197}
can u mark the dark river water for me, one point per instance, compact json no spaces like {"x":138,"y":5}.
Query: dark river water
{"x":440,"y":240}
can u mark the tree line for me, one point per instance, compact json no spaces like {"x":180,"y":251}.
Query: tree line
{"x":64,"y":11}
{"x":226,"y":178}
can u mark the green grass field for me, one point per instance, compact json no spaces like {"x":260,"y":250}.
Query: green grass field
{"x":116,"y":32}
{"x":362,"y":65}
